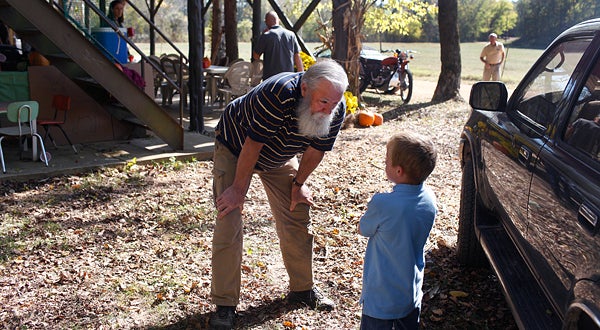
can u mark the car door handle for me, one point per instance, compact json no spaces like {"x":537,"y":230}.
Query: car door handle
{"x":525,"y":156}
{"x":587,"y":217}
{"x":524,"y":153}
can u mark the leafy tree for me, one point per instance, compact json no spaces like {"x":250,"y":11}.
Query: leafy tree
{"x":503,"y":17}
{"x":431,"y":32}
{"x":540,"y":21}
{"x":171,"y":19}
{"x":245,"y":30}
{"x":480,"y":17}
{"x":399,"y":17}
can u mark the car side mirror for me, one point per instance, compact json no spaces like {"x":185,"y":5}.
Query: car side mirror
{"x":488,"y":95}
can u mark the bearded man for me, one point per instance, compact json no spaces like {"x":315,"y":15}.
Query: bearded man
{"x":263,"y":132}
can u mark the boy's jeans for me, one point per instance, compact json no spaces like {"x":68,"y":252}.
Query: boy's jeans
{"x":411,"y":321}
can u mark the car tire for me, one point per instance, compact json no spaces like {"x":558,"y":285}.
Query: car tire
{"x":469,"y":251}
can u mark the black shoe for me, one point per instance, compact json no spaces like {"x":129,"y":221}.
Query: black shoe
{"x":223,"y":318}
{"x":314,"y":299}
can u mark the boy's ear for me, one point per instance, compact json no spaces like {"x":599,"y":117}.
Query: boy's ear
{"x":399,"y":170}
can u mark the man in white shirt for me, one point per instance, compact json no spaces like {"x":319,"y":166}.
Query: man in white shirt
{"x":492,"y":56}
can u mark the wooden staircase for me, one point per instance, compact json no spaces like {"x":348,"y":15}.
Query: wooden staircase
{"x":44,"y":26}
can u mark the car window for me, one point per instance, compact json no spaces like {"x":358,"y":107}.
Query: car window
{"x":583,"y":130}
{"x":546,"y":84}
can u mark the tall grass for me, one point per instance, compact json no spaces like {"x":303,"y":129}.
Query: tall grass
{"x":426,"y":63}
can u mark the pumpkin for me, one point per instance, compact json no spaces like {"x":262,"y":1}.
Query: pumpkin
{"x":205,"y":62}
{"x":378,"y":119}
{"x":365,"y":118}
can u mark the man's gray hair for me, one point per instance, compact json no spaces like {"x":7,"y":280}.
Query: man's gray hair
{"x":329,"y":70}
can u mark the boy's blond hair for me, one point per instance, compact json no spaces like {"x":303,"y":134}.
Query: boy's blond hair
{"x":415,"y":153}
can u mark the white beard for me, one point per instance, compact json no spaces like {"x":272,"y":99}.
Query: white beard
{"x":312,"y":125}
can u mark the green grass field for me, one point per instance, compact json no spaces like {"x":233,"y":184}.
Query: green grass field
{"x":427,"y":63}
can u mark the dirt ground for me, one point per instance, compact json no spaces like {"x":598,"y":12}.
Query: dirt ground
{"x":129,"y":248}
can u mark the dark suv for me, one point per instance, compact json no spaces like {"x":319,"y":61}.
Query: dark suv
{"x":530,"y":196}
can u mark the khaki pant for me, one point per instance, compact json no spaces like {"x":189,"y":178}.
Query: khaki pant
{"x":295,"y":241}
{"x":492,"y":72}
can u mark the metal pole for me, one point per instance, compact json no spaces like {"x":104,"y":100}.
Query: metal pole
{"x":504,"y":63}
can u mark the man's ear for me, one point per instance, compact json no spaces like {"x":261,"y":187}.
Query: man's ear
{"x":303,"y":88}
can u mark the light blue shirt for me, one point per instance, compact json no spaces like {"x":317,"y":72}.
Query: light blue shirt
{"x":397,"y":224}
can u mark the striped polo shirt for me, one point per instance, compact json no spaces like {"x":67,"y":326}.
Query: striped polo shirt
{"x":267,"y":114}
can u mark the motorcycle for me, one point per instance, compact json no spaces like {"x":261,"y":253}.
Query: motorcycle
{"x":388,"y":75}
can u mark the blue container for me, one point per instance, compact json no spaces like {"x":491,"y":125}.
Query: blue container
{"x":114,"y":46}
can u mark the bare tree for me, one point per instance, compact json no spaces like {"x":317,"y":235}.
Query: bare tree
{"x":231,"y":41}
{"x":448,"y":86}
{"x":196,"y":53}
{"x":217,"y":32}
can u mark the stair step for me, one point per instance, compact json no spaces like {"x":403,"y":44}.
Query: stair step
{"x":62,"y":56}
{"x":86,"y":80}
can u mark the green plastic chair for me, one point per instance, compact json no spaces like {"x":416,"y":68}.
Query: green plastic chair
{"x":24,"y":114}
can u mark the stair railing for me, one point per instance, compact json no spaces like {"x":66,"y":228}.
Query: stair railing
{"x":182,"y":58}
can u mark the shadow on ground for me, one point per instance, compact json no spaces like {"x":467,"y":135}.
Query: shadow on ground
{"x":252,"y":317}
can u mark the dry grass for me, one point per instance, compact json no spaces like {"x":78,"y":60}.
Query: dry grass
{"x":129,"y":248}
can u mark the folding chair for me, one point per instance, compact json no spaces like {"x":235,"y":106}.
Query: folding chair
{"x":61,"y":105}
{"x":24,"y":114}
{"x":170,"y":65}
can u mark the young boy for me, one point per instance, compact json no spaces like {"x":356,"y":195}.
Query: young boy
{"x":398,"y":224}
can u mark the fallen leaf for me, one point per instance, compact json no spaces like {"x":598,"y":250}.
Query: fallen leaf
{"x":459,"y":294}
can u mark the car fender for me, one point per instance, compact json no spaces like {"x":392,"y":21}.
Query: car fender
{"x":581,"y":312}
{"x":470,"y":151}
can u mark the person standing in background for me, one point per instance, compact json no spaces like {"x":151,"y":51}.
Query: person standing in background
{"x":492,"y":56}
{"x":280,"y":48}
{"x":115,"y":13}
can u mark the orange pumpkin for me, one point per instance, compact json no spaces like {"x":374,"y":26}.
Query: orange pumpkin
{"x":205,"y":62}
{"x":365,"y":118}
{"x":378,"y":120}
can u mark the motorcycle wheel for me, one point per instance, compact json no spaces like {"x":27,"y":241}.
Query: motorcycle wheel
{"x":363,"y":83}
{"x":406,"y":92}
{"x":391,"y":90}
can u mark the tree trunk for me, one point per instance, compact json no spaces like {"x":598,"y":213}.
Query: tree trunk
{"x":231,"y":42}
{"x":196,"y":53}
{"x":448,"y":86}
{"x":217,"y":31}
{"x":348,"y":20}
{"x":340,"y":31}
{"x":257,"y":19}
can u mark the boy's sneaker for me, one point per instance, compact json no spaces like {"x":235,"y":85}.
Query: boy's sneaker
{"x":223,"y":318}
{"x":314,"y":299}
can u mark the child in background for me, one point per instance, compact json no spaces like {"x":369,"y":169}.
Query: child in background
{"x":398,"y":225}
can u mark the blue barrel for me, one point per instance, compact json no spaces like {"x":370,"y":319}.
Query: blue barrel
{"x":114,"y":46}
